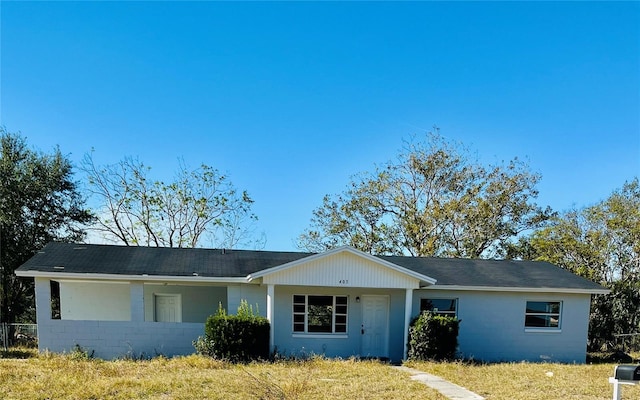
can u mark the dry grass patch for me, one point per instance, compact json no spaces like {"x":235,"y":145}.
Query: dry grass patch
{"x":197,"y":377}
{"x":526,"y":381}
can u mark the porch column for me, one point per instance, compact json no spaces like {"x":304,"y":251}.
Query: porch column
{"x":43,"y":300}
{"x":270,"y":308}
{"x":408,"y":308}
{"x":137,"y":301}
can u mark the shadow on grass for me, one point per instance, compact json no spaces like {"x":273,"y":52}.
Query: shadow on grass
{"x":19,"y":353}
{"x":612,"y":357}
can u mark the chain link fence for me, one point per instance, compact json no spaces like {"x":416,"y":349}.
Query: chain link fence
{"x":18,"y":335}
{"x":627,"y":342}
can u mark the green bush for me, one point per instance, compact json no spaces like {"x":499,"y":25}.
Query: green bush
{"x":204,"y":346}
{"x":237,"y":338}
{"x":433,"y":337}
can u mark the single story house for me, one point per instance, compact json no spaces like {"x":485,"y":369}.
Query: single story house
{"x":118,"y":300}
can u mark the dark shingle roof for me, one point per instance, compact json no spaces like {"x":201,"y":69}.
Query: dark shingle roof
{"x":494,"y":273}
{"x":162,"y":261}
{"x":217,"y":263}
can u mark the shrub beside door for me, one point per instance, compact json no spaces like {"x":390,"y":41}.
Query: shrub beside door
{"x":433,"y":337}
{"x":238,"y":338}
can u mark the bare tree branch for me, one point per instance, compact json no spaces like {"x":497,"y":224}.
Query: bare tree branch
{"x":137,"y":210}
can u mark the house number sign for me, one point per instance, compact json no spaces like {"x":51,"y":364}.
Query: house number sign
{"x":343,"y":282}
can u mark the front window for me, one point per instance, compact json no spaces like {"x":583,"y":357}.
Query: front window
{"x":445,"y":307}
{"x":542,"y":314}
{"x":319,"y":314}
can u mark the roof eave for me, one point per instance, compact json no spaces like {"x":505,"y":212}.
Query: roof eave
{"x":121,"y":277}
{"x":520,"y":289}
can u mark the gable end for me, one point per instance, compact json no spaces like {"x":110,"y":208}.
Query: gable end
{"x":343,"y":268}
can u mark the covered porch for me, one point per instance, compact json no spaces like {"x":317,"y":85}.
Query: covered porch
{"x":341,"y":303}
{"x":130,"y":318}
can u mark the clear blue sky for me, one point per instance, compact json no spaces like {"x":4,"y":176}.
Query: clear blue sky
{"x":293,"y":98}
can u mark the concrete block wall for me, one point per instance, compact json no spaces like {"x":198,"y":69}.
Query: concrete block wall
{"x":113,"y":339}
{"x":117,"y":339}
{"x":492,"y":326}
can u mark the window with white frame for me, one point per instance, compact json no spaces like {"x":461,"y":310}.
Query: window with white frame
{"x":447,"y":307}
{"x":543,"y":314}
{"x":319,"y":314}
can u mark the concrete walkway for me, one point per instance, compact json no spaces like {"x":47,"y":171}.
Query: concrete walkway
{"x":451,"y":390}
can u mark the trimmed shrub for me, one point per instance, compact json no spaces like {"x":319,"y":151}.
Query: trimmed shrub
{"x":433,"y":337}
{"x":237,"y":338}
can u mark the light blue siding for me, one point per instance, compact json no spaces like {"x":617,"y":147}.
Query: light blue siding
{"x":198,"y":302}
{"x":287,"y":343}
{"x":111,"y":339}
{"x":492,"y":326}
{"x":254,"y":295}
{"x":116,"y":339}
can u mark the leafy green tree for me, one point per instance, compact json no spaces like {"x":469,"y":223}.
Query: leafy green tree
{"x":433,"y":200}
{"x":600,"y":243}
{"x":199,"y":203}
{"x":39,"y":203}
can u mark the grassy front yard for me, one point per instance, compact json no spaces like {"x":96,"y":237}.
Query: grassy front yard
{"x":194,"y":377}
{"x":525,"y":381}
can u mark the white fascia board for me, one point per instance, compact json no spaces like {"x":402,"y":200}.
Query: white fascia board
{"x":518,"y":289}
{"x":118,"y":277}
{"x":348,"y":249}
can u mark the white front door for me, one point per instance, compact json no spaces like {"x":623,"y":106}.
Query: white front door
{"x":375,"y":326}
{"x":168,"y":308}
